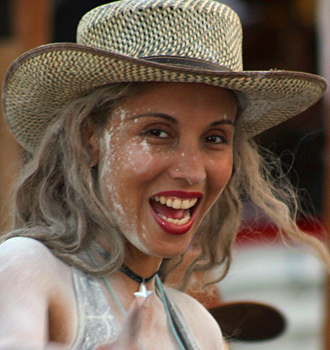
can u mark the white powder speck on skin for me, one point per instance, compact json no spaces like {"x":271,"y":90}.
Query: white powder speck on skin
{"x":139,"y":158}
{"x":122,"y":112}
{"x":105,"y":143}
{"x":133,"y":155}
{"x":107,"y":167}
{"x":145,"y":145}
{"x":139,"y":242}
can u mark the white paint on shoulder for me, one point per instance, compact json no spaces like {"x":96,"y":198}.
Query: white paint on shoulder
{"x":31,"y":278}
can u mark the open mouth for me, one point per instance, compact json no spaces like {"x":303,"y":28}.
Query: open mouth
{"x":173,"y":212}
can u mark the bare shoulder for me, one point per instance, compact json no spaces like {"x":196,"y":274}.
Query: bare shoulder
{"x":14,"y":248}
{"x":201,"y":322}
{"x":29,"y":257}
{"x":31,"y":277}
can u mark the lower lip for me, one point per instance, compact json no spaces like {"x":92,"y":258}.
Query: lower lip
{"x":171,"y":228}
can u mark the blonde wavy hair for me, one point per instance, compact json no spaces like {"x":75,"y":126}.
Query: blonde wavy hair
{"x":57,"y":200}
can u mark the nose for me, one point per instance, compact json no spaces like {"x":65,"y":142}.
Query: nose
{"x":188,"y":165}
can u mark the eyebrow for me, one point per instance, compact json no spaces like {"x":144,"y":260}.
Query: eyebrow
{"x":175,"y":121}
{"x":160,"y":115}
{"x":223,"y":121}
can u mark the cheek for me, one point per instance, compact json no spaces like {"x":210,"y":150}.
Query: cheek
{"x":221,"y":174}
{"x":125,"y":167}
{"x":138,"y":158}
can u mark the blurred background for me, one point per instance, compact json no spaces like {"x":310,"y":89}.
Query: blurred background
{"x":286,"y":34}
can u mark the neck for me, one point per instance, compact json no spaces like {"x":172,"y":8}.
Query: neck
{"x":142,"y":264}
{"x":135,"y":277}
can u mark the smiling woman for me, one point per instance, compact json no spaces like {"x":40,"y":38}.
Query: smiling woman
{"x":157,"y":154}
{"x":139,"y":143}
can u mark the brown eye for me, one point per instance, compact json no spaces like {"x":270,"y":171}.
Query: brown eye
{"x":216,"y":139}
{"x":157,"y":133}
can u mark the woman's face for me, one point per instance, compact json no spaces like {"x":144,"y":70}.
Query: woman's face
{"x":164,"y":158}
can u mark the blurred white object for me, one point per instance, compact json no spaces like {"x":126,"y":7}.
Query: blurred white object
{"x":289,"y":280}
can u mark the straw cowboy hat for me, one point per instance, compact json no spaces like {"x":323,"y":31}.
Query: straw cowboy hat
{"x":198,"y":41}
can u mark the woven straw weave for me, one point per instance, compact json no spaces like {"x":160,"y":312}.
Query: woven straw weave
{"x":202,"y":30}
{"x":116,"y":43}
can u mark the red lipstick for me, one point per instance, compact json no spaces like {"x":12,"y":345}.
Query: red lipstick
{"x":169,"y":227}
{"x":179,"y":194}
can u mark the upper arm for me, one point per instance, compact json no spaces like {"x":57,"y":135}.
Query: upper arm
{"x":24,"y":292}
{"x":204,"y":326}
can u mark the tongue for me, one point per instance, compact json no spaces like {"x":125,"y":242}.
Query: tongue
{"x":167,"y":211}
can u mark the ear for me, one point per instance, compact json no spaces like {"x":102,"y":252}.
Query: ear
{"x":92,"y":137}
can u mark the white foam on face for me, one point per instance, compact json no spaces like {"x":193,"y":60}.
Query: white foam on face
{"x":119,"y":157}
{"x":145,"y":145}
{"x":122,"y":112}
{"x":105,"y":143}
{"x":140,"y":158}
{"x":110,"y":161}
{"x":139,"y":243}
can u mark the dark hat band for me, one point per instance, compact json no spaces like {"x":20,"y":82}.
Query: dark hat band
{"x":187,"y":62}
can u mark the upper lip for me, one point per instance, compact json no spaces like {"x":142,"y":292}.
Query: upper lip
{"x":178,"y":200}
{"x":179,"y":194}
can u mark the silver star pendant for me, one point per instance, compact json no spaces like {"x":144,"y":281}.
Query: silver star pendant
{"x":142,"y":294}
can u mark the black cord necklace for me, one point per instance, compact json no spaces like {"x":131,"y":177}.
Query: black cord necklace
{"x":128,"y":272}
{"x":140,"y":280}
{"x":143,"y":292}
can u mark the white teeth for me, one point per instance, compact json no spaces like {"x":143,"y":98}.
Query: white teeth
{"x":169,"y":203}
{"x":177,"y":203}
{"x":177,"y":221}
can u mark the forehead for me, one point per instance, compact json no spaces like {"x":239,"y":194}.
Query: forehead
{"x":181,"y":99}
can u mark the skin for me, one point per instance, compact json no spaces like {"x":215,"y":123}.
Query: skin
{"x":169,"y":137}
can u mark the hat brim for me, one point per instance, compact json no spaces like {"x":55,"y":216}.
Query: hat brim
{"x":249,"y":321}
{"x":46,"y":78}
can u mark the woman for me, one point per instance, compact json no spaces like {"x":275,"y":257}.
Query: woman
{"x":140,"y":145}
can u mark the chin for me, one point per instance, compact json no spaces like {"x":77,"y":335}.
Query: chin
{"x":169,"y":252}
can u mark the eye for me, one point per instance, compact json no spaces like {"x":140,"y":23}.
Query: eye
{"x":157,"y":133}
{"x":215,"y":139}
